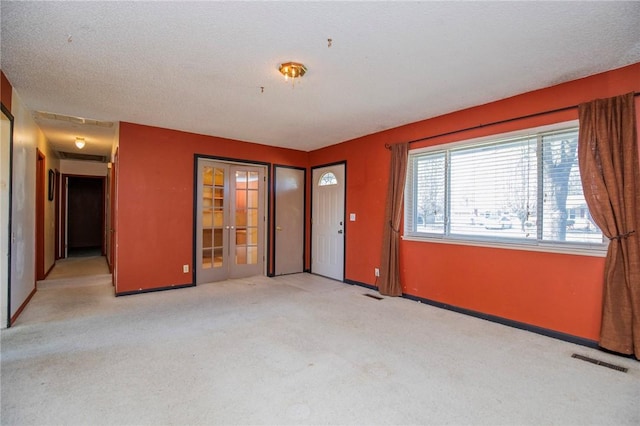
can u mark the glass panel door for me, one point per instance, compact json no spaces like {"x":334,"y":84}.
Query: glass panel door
{"x":248,"y":227}
{"x":230,"y":222}
{"x":212,"y":237}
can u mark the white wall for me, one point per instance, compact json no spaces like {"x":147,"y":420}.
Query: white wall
{"x":83,"y":168}
{"x":116,"y":141}
{"x":27,"y":137}
{"x":52,"y":162}
{"x":25,"y":141}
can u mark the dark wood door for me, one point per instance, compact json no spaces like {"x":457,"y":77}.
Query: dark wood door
{"x":85,"y":213}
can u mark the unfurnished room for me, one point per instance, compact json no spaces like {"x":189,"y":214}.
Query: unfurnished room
{"x":225,"y":212}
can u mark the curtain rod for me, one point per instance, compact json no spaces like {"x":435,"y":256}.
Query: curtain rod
{"x":480,"y":126}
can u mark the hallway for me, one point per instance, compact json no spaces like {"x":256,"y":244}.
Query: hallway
{"x":78,"y":266}
{"x":77,"y":271}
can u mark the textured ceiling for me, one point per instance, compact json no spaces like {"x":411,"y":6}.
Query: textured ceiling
{"x":200,"y":66}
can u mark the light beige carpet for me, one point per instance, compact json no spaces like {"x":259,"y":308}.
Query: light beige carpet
{"x":78,"y":267}
{"x":295,"y":349}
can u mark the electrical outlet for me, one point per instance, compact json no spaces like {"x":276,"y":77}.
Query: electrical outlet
{"x":376,"y":271}
{"x":185,"y":268}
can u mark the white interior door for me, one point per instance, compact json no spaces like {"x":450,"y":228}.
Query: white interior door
{"x":230,"y":221}
{"x":289,"y":214}
{"x":327,"y":221}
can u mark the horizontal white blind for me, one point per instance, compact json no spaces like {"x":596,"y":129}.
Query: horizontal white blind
{"x":493,"y":189}
{"x":427,"y":207}
{"x":524,"y":189}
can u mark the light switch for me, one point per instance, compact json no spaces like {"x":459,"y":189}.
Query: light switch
{"x":352,"y":217}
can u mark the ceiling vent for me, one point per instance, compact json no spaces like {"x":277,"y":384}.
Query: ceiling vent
{"x":83,"y":157}
{"x":71,"y":119}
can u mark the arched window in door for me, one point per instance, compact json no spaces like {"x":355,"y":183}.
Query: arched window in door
{"x":328,"y":178}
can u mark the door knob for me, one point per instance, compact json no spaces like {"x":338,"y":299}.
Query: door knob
{"x":278,"y":228}
{"x":340,"y":231}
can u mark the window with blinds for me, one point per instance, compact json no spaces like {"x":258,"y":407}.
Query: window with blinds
{"x":523,"y":190}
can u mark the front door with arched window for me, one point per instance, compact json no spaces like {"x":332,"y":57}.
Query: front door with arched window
{"x":328,"y":222}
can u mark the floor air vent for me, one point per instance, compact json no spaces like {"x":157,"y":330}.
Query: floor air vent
{"x":598,"y":362}
{"x":373,"y":296}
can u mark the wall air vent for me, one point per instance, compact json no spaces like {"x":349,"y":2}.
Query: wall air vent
{"x":43,"y":115}
{"x":83,"y":157}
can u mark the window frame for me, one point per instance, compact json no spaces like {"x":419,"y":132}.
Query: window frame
{"x":410,"y":213}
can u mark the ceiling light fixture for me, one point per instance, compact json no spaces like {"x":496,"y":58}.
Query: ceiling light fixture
{"x":292,"y":70}
{"x":80,"y":142}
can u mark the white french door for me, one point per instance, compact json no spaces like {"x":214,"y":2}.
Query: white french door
{"x":327,"y":226}
{"x":230,"y":224}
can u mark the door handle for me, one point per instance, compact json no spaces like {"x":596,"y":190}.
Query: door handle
{"x":278,"y":228}
{"x":340,"y":231}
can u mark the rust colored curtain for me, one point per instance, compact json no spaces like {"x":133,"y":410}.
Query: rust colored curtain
{"x":390,"y":262}
{"x":608,"y":156}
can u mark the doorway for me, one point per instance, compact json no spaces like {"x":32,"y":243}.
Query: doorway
{"x":40,"y":185}
{"x":6,"y":148}
{"x":57,"y":226}
{"x":289,"y":219}
{"x":230,"y":220}
{"x":327,"y":221}
{"x":85,"y":216}
{"x":112,"y":208}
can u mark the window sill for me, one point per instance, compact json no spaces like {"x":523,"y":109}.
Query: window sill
{"x":570,"y":250}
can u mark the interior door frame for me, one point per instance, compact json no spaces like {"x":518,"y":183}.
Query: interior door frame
{"x":7,"y":113}
{"x":268,"y":211}
{"x":57,"y":226}
{"x":344,"y":254}
{"x":112,"y":232}
{"x":41,"y":175}
{"x":65,"y":214}
{"x":304,"y":214}
{"x":111,"y":225}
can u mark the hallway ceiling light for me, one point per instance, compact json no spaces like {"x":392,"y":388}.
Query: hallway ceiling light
{"x":292,"y":70}
{"x":80,"y":142}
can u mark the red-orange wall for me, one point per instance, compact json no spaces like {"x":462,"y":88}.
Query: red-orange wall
{"x":155,"y":200}
{"x":554,"y":291}
{"x":6,"y":91}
